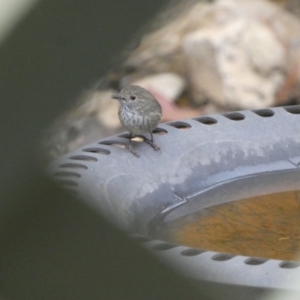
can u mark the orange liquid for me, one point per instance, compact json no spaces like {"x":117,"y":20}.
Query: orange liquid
{"x":264,"y":226}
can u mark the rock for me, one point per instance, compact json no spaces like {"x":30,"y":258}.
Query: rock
{"x":240,"y":66}
{"x":237,"y":54}
{"x":168,"y":85}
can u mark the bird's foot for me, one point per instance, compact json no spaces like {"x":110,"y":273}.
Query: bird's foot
{"x":131,"y":149}
{"x":151,"y":143}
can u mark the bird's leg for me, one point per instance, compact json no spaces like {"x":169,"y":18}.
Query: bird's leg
{"x":130,"y":147}
{"x":151,"y":142}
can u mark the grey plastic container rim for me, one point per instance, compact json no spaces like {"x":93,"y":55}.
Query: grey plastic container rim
{"x":204,"y":161}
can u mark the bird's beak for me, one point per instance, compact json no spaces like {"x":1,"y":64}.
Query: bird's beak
{"x":117,"y":97}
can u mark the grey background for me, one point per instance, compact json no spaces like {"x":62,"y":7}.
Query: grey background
{"x":51,"y":246}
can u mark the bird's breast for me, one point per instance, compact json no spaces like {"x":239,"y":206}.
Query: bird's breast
{"x":137,"y":123}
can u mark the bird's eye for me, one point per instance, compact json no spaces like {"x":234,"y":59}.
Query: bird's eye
{"x":132,"y":97}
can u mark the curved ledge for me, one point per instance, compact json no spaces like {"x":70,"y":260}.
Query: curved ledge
{"x":203,"y":162}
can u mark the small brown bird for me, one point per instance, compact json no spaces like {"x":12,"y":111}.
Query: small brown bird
{"x":139,"y":113}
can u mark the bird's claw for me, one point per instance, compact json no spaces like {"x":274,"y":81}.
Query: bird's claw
{"x":131,"y":149}
{"x":151,"y":143}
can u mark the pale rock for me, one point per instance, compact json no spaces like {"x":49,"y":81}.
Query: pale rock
{"x":107,"y":108}
{"x":168,"y":85}
{"x":101,"y":106}
{"x":236,"y":53}
{"x":237,"y":63}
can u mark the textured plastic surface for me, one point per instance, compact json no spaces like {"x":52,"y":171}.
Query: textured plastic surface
{"x":203,"y":162}
{"x":197,"y":157}
{"x":255,"y":273}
